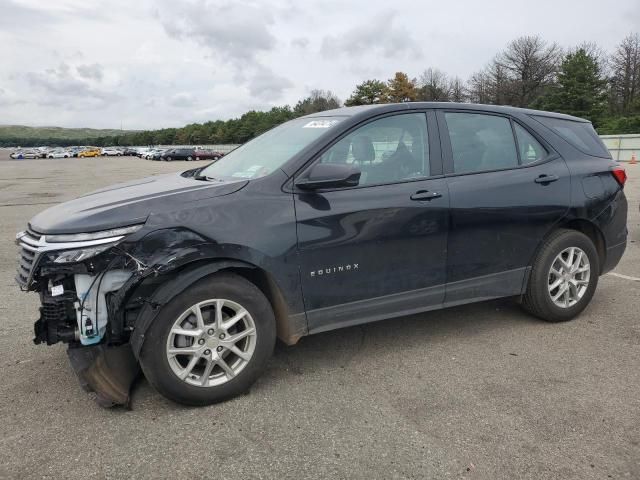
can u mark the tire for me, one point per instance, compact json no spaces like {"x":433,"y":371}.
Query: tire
{"x":168,"y":159}
{"x":538,"y":298}
{"x":160,"y":368}
{"x":189,"y":158}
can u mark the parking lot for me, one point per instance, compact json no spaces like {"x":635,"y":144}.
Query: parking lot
{"x":480,"y":391}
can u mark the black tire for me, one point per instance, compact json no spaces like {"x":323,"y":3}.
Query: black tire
{"x":537,"y":299}
{"x":153,"y":358}
{"x":189,"y":158}
{"x":168,"y":159}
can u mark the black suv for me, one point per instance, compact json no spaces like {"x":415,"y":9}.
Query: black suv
{"x":179,"y":154}
{"x":335,"y":219}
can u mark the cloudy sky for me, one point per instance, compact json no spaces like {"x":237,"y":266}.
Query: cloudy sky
{"x":151,"y":64}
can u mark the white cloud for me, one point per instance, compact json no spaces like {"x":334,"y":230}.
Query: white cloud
{"x":380,"y":34}
{"x":158,"y":63}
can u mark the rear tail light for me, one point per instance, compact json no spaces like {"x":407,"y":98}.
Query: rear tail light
{"x":620,"y":175}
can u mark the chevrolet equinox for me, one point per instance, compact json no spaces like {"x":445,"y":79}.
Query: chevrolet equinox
{"x":330,"y":220}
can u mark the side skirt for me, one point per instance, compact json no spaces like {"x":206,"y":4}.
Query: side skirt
{"x":477,"y":289}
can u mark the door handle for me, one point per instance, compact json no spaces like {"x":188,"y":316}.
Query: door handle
{"x":425,"y":195}
{"x":546,"y":178}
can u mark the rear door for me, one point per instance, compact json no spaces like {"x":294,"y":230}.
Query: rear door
{"x":379,"y":249}
{"x":507,"y":189}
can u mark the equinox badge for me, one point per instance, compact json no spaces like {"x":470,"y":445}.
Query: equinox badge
{"x":328,"y":271}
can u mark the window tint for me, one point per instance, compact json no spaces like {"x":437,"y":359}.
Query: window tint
{"x":579,"y":134}
{"x":387,"y":150}
{"x":481,"y":142}
{"x":530,"y":149}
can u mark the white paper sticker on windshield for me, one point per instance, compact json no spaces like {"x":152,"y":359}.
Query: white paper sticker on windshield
{"x":320,"y":124}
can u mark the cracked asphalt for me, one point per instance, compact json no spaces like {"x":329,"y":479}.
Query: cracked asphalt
{"x":481,"y":391}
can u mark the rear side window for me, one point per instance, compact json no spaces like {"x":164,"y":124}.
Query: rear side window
{"x":529,"y":148}
{"x":481,"y":142}
{"x":579,"y":134}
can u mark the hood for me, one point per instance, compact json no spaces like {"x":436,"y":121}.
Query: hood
{"x":128,"y":203}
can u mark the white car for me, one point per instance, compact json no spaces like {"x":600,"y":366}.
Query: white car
{"x":59,"y":154}
{"x":22,"y":155}
{"x":111,"y":152}
{"x":143,"y":152}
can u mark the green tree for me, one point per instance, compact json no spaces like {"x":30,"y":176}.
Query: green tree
{"x":368,"y":93}
{"x":581,"y":88}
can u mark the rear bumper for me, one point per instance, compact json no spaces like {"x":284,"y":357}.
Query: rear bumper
{"x":613,"y":256}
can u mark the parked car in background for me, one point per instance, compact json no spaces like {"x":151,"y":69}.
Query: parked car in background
{"x":331,"y":220}
{"x":111,"y":152}
{"x":24,"y":154}
{"x":202,"y":154}
{"x":179,"y":154}
{"x":90,"y":152}
{"x":129,"y":152}
{"x":59,"y":153}
{"x":74,"y":151}
{"x":156,"y":153}
{"x":143,"y":152}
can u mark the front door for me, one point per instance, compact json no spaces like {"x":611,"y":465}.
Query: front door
{"x":379,"y":249}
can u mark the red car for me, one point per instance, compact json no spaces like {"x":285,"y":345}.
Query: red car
{"x":208,"y":155}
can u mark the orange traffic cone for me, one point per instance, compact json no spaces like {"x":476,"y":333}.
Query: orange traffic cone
{"x":633,"y":160}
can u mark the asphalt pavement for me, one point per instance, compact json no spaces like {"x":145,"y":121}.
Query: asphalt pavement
{"x":481,"y":391}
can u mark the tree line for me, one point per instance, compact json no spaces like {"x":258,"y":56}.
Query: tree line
{"x":583,"y":81}
{"x":529,"y":72}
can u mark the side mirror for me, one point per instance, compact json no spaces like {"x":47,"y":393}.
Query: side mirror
{"x":330,"y":175}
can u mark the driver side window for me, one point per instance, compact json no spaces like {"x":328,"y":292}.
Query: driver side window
{"x":388,"y":150}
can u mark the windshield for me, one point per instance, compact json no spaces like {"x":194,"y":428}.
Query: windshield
{"x":269,"y":151}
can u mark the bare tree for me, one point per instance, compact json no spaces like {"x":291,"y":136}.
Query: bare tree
{"x":531,"y":65}
{"x":317,"y":101}
{"x":478,"y":87}
{"x":625,"y":75}
{"x":434,"y":86}
{"x":501,"y":87}
{"x":457,"y":90}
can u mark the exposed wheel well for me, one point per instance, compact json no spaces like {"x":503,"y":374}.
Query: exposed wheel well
{"x":594,"y":234}
{"x":287,"y":330}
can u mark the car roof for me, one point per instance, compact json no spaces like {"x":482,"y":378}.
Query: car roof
{"x":369,"y":110}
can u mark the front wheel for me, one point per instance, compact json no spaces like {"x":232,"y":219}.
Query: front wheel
{"x":211,"y":342}
{"x":189,"y":158}
{"x":564,"y":277}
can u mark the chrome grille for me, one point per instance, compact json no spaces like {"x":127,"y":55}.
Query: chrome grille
{"x":29,"y":257}
{"x":33,"y":245}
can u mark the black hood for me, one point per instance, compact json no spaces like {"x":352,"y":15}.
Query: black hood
{"x":128,"y":203}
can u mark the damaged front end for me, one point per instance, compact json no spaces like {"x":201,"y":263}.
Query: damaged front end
{"x":77,"y":277}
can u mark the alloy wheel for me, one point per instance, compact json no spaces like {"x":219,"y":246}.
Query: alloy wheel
{"x":211,"y":342}
{"x":569,"y":276}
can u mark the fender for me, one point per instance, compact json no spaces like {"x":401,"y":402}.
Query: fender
{"x":167,"y":291}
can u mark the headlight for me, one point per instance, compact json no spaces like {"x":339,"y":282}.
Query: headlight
{"x":70,"y":256}
{"x":85,"y":237}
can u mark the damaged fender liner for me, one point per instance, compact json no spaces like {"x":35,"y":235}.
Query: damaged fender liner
{"x":166,"y":292}
{"x":107,"y":371}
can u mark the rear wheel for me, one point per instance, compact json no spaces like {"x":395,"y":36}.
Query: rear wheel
{"x":211,"y":342}
{"x":189,"y":158}
{"x":564,"y":277}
